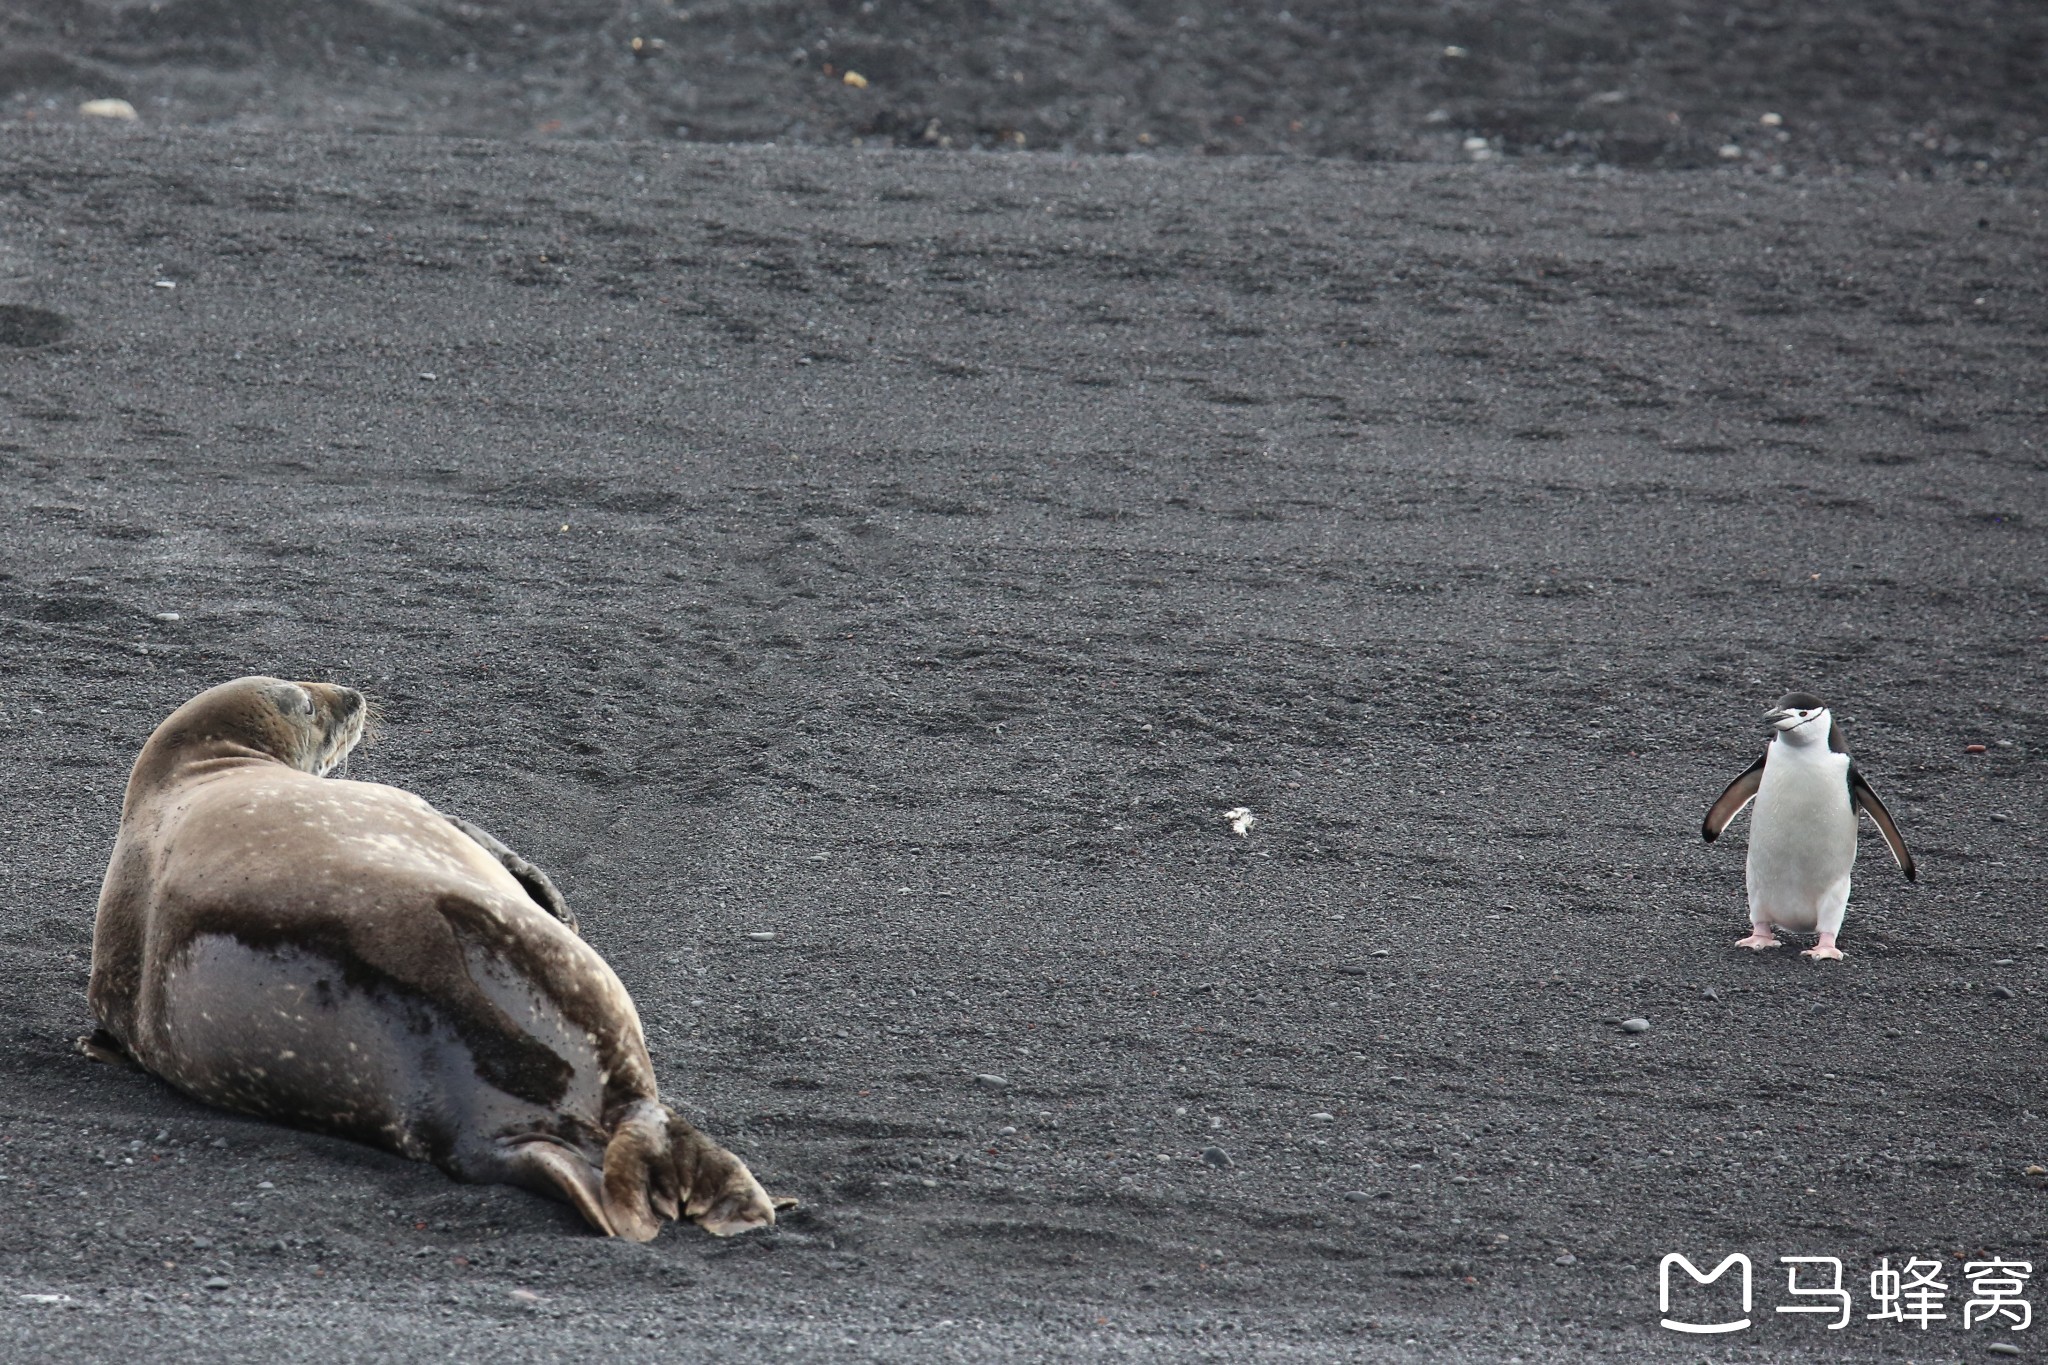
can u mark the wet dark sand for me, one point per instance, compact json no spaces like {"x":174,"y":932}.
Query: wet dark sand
{"x":915,"y":555}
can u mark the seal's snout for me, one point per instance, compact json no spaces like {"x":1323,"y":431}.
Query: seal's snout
{"x":338,"y":715}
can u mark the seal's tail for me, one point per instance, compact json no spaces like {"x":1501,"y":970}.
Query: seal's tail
{"x":658,"y":1167}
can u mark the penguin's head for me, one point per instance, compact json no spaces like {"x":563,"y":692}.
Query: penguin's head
{"x":1800,"y":717}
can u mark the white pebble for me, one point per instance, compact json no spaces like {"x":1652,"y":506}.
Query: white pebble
{"x":114,"y":109}
{"x":1241,"y":820}
{"x":763,"y":936}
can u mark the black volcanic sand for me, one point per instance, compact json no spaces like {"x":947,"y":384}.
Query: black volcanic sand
{"x":914,"y":556}
{"x":1925,"y":88}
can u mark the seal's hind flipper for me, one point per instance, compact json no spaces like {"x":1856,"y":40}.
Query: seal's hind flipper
{"x":103,"y":1046}
{"x":720,"y":1195}
{"x":639,"y":1176}
{"x":538,"y":885}
{"x":551,"y":1167}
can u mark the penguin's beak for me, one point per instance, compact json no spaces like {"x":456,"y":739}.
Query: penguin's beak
{"x":1777,"y":716}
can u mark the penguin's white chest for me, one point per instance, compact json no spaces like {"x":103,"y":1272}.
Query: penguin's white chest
{"x":1802,"y":837}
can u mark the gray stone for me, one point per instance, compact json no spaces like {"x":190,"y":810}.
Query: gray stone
{"x":1635,"y":1026}
{"x":1217,"y":1157}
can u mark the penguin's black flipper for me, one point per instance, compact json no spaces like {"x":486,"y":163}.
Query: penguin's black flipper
{"x":1729,"y":803}
{"x":1862,"y":797}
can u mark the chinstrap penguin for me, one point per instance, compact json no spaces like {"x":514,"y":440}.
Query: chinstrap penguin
{"x":1802,"y":836}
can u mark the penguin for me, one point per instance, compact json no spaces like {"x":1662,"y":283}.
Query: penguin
{"x":1802,"y":838}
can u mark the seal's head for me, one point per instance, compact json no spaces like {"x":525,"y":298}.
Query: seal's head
{"x":310,"y":726}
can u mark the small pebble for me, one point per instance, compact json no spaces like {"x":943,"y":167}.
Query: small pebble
{"x":166,"y":284}
{"x":1217,"y":1157}
{"x":2002,"y":993}
{"x":1352,"y":969}
{"x":1710,"y":994}
{"x":217,"y":1282}
{"x":1566,"y":1259}
{"x":1323,"y":1118}
{"x":2003,"y":962}
{"x":168,"y":616}
{"x":856,"y":80}
{"x":1382,"y":952}
{"x":114,"y":109}
{"x":220,"y":1142}
{"x":2002,"y":1348}
{"x":992,"y":1080}
{"x":525,"y":1296}
{"x":2000,"y":818}
{"x":1006,"y":1130}
{"x":1635,"y":1026}
{"x":1772,"y":120}
{"x":764,"y":936}
{"x":265,"y":1185}
{"x":1356,"y":1197}
{"x":1973,"y":748}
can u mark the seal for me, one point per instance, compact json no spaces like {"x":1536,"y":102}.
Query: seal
{"x":343,"y":957}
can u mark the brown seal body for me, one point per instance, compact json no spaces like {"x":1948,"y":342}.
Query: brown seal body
{"x":341,"y":956}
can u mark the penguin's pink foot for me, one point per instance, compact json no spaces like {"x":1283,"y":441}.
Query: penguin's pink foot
{"x":1824,"y":951}
{"x":1758,"y":939}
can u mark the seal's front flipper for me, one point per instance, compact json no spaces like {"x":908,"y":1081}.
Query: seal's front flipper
{"x":103,"y":1046}
{"x":550,"y":1167}
{"x":543,"y":891}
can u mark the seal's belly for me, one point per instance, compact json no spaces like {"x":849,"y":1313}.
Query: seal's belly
{"x":282,"y":1033}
